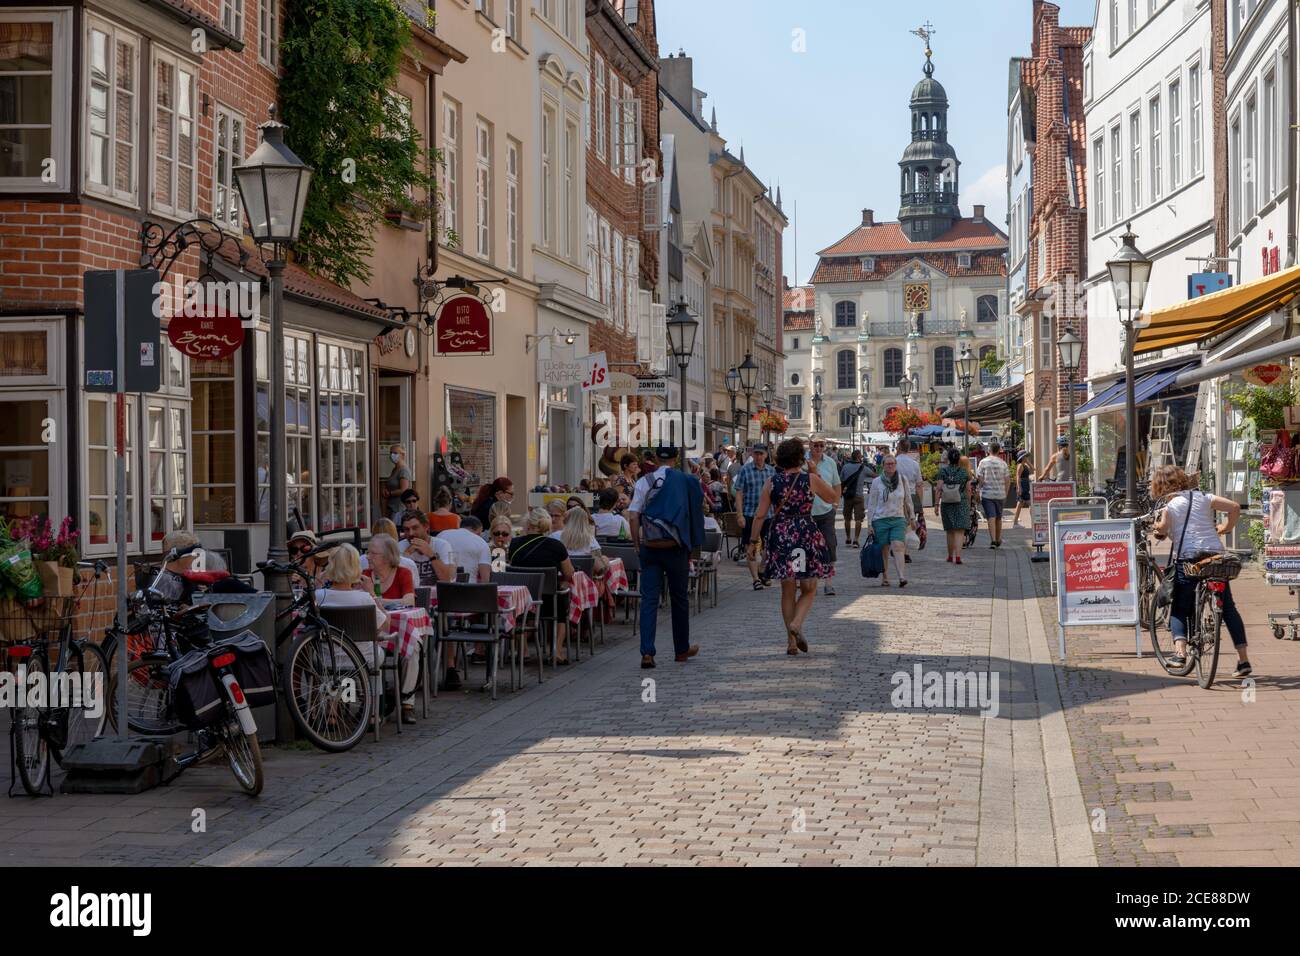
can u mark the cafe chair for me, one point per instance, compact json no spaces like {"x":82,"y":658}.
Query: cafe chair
{"x":477,"y":599}
{"x":550,"y":589}
{"x":531,"y":622}
{"x":358,"y":623}
{"x":632,"y":596}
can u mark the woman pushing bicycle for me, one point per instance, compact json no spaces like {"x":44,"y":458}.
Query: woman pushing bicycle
{"x":1189,"y":523}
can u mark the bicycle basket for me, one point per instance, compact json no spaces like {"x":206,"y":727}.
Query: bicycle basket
{"x":1216,"y":567}
{"x":40,"y":621}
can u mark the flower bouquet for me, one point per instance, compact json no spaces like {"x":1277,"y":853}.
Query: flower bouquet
{"x":54,"y":554}
{"x":772,"y":422}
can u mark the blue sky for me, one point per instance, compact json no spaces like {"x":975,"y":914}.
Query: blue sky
{"x":830,"y":124}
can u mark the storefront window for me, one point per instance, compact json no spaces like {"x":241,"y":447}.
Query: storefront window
{"x":167,"y":431}
{"x":298,"y":429}
{"x":24,"y":353}
{"x":1110,"y":438}
{"x":25,"y":457}
{"x":214,"y":445}
{"x":341,"y":419}
{"x":101,"y":472}
{"x":472,"y":416}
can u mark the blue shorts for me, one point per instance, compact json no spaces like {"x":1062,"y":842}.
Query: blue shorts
{"x":992,"y":507}
{"x":887,"y":530}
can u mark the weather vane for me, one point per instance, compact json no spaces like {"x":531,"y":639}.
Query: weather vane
{"x":925,"y":32}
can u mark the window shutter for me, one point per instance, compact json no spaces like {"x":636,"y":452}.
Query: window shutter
{"x":651,"y":220}
{"x":644,"y":352}
{"x":659,"y":338}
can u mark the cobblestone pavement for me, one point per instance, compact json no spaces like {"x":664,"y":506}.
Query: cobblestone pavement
{"x":743,"y":755}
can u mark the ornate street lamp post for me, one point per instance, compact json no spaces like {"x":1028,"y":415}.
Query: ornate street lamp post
{"x":817,"y":409}
{"x":767,"y":409}
{"x":273,"y":185}
{"x":748,"y":379}
{"x":733,"y":385}
{"x":933,"y":396}
{"x":905,"y":388}
{"x":682,"y":328}
{"x":1071,"y":347}
{"x":1129,"y":272}
{"x":966,"y":374}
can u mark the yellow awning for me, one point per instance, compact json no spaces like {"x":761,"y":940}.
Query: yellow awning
{"x":1219,"y":312}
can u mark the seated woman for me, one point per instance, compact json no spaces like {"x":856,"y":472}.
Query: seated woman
{"x":304,"y":542}
{"x":386,"y":526}
{"x":535,"y":548}
{"x":499,"y":538}
{"x":557,"y":510}
{"x":579,"y":538}
{"x":387,"y":577}
{"x":442,"y":518}
{"x":609,"y":524}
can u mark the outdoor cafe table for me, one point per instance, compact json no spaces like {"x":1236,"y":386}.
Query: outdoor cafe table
{"x":407,"y":625}
{"x":583,"y":595}
{"x":615,"y":580}
{"x":513,"y":600}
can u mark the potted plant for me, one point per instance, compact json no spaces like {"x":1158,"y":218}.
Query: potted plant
{"x":54,"y":554}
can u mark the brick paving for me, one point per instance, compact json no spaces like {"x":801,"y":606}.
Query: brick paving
{"x":746,"y":756}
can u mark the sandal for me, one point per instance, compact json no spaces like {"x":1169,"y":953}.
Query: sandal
{"x":758,"y":585}
{"x":799,"y":641}
{"x":884,"y":583}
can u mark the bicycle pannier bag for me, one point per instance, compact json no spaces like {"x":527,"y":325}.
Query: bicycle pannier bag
{"x":252,"y":668}
{"x":195,"y":694}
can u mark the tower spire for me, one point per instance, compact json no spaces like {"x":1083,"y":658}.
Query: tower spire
{"x":929,"y":165}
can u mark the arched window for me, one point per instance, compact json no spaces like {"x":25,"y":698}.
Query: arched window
{"x":846,"y":417}
{"x":943,"y":367}
{"x":987,"y":378}
{"x":986,"y":308}
{"x":846,"y":315}
{"x":846,"y":369}
{"x":893,"y":365}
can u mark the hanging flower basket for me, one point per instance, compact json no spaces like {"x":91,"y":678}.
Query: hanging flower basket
{"x":900,"y":421}
{"x":772,"y":422}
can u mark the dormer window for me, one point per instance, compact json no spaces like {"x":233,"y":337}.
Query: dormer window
{"x":963,"y":260}
{"x":868,"y":264}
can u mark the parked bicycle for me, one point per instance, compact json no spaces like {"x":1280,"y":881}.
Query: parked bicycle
{"x":45,"y":728}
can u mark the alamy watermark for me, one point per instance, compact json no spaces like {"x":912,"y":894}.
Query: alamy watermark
{"x":21,"y":688}
{"x":946,"y":690}
{"x":236,"y":299}
{"x":685,"y":430}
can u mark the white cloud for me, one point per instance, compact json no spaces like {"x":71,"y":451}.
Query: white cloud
{"x":990,"y":191}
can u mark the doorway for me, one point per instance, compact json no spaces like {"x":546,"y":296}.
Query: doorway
{"x":394,"y":428}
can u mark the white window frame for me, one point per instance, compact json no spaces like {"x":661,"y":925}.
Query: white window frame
{"x":168,"y":493}
{"x":483,"y":189}
{"x":550,"y":140}
{"x":1195,"y":85}
{"x":223,"y":173}
{"x":1117,"y":172}
{"x":618,"y":295}
{"x":631,"y":132}
{"x":593,"y":255}
{"x":569,"y":244}
{"x":513,"y":152}
{"x":615,"y":122}
{"x":512,"y":19}
{"x":233,"y":434}
{"x":1045,"y":342}
{"x":1175,"y":133}
{"x":90,"y":549}
{"x":174,"y":209}
{"x":1155,"y":131}
{"x":1099,"y":182}
{"x":1135,"y":159}
{"x":632,"y":252}
{"x":268,"y":33}
{"x":1250,"y":157}
{"x":451,"y":112}
{"x":602,"y":106}
{"x":606,"y":267}
{"x":53,"y":352}
{"x":323,"y":484}
{"x":60,"y":100}
{"x":1235,"y":176}
{"x":115,"y":36}
{"x":1267,"y":137}
{"x":232,"y":17}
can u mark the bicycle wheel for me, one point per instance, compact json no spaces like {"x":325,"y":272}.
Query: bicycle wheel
{"x":245,"y":756}
{"x":148,"y":700}
{"x":327,"y":689}
{"x":87,"y":661}
{"x":1162,"y":639}
{"x":1209,"y":624}
{"x":31,"y":753}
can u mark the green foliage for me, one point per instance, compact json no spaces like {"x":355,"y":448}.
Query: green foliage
{"x":1264,"y":405}
{"x":340,"y":63}
{"x":1083,"y":453}
{"x":1255,"y":532}
{"x":992,"y":364}
{"x":930,"y":463}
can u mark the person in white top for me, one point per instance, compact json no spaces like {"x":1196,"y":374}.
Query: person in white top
{"x":385,"y":526}
{"x":889,"y":509}
{"x":608,"y":524}
{"x":579,"y":538}
{"x":468,"y":550}
{"x":1188,"y":521}
{"x":431,"y":557}
{"x":345,"y":590}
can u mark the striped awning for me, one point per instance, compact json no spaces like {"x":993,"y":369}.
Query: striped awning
{"x":1211,"y":315}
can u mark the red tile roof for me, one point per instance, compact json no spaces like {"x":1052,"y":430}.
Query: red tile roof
{"x":886,"y":237}
{"x":799,"y":299}
{"x":990,"y":263}
{"x":798,"y":322}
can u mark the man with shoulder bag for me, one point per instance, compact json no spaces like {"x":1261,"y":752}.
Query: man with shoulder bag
{"x":667,"y":523}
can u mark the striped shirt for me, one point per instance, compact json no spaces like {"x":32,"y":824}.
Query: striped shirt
{"x":994,"y":475}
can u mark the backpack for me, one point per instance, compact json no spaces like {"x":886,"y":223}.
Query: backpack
{"x":852,"y":481}
{"x":951,"y":494}
{"x":656,"y":532}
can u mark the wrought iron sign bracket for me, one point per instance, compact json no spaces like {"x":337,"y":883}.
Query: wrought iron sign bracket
{"x":160,"y":248}
{"x":431,"y":292}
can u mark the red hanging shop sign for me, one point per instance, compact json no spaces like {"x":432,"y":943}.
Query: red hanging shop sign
{"x":206,"y":336}
{"x":463,"y":326}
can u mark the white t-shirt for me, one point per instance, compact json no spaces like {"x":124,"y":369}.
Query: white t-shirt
{"x":909,"y":467}
{"x":423,"y":567}
{"x":330,"y":597}
{"x":610,"y":525}
{"x":642,"y":488}
{"x":1201,"y":532}
{"x":468,"y":549}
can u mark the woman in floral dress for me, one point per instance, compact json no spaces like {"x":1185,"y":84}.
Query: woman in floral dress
{"x":797,"y":554}
{"x":955,"y":514}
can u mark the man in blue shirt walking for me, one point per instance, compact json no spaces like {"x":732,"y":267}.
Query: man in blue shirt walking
{"x":749,"y":484}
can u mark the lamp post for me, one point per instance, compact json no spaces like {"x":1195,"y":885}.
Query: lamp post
{"x":748,"y":379}
{"x":1129,"y":272}
{"x":860,"y":411}
{"x":767,"y":409}
{"x":733,"y":384}
{"x":682,"y":328}
{"x":933,"y":396}
{"x":1071,"y":347}
{"x":966,"y":373}
{"x":817,"y":410}
{"x":273,"y":185}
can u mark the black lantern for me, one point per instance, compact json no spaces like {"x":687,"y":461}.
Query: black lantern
{"x":273,"y":185}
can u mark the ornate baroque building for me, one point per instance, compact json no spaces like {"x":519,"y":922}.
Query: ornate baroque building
{"x":900,"y":300}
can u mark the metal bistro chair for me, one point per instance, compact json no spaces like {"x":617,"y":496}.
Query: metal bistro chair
{"x":454,"y":598}
{"x":550,"y":588}
{"x":534,"y":584}
{"x":587,"y":565}
{"x":424,"y":599}
{"x":632,"y":565}
{"x":733,"y":526}
{"x":706,"y":569}
{"x":358,"y":623}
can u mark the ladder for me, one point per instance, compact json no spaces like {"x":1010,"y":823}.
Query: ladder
{"x":1196,"y":439}
{"x":1160,"y":450}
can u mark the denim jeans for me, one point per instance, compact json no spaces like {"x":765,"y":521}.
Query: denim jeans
{"x":673,"y":564}
{"x":1184,"y":607}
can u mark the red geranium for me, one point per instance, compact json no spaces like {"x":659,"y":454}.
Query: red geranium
{"x":900,"y":421}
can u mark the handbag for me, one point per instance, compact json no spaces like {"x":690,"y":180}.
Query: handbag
{"x":1165,"y":592}
{"x":873,"y":562}
{"x":1279,"y":461}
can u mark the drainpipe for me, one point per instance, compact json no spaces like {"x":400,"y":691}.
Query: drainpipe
{"x":1293,"y":205}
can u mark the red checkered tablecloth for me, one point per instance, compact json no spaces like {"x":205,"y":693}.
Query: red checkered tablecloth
{"x":406,"y":627}
{"x":615,"y":580}
{"x":582,"y":596}
{"x":513,"y":600}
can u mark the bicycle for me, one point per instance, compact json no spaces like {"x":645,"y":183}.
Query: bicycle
{"x":47,"y":729}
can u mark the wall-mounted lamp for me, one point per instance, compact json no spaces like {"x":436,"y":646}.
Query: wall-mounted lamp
{"x":530,"y":340}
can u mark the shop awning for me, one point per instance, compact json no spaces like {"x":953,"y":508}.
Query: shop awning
{"x":1148,"y":387}
{"x":1211,"y":315}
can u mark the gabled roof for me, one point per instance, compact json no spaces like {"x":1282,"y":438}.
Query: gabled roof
{"x":888,"y":237}
{"x":800,"y":299}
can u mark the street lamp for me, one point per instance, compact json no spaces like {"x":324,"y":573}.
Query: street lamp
{"x":273,"y":185}
{"x":733,"y":385}
{"x":966,"y":374}
{"x":933,"y":396}
{"x":1129,"y":272}
{"x":748,"y":379}
{"x":682,"y":328}
{"x":905,"y":387}
{"x":817,"y":410}
{"x":861,"y":412}
{"x":1071,"y":347}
